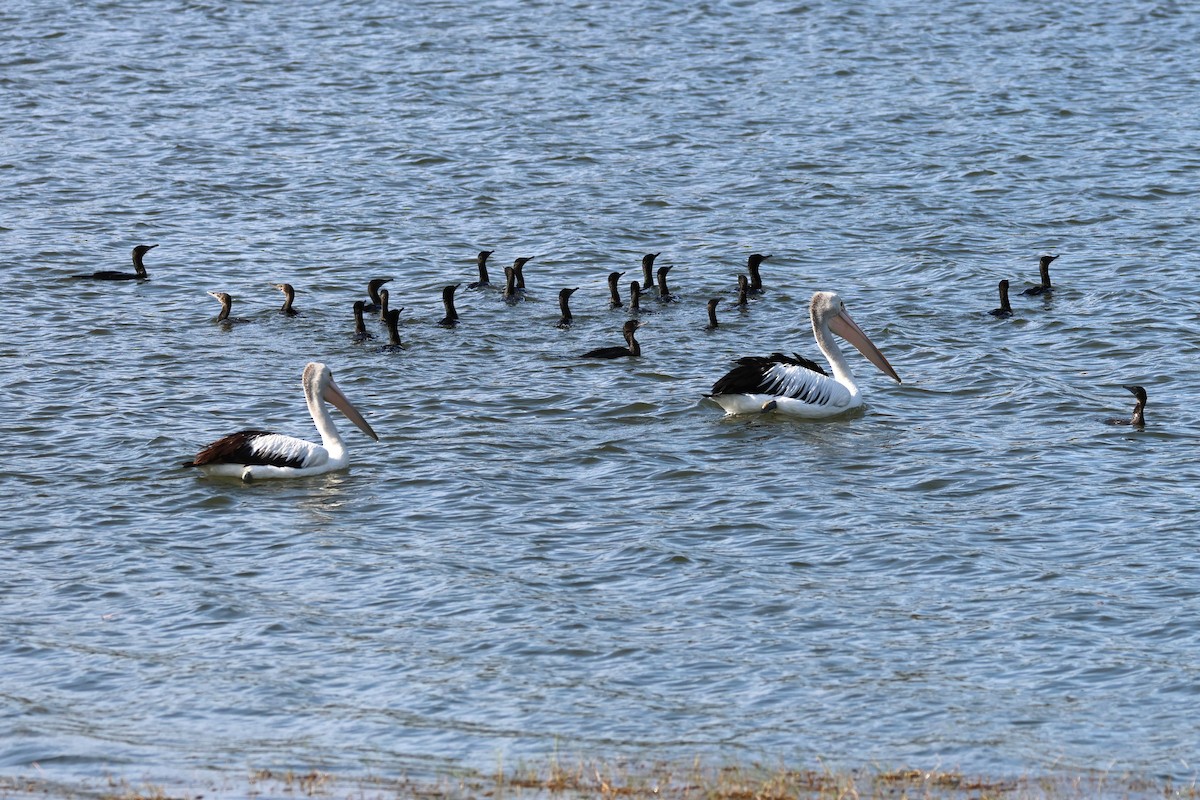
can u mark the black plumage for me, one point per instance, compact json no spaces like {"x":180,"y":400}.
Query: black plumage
{"x":632,"y":347}
{"x":750,"y":374}
{"x":139,"y":273}
{"x":237,"y":448}
{"x":1005,"y":310}
{"x":481,"y":263}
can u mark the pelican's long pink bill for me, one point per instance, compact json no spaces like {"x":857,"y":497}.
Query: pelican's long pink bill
{"x":339,"y":401}
{"x":848,"y":329}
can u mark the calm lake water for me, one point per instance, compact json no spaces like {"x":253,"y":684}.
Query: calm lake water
{"x":544,"y":554}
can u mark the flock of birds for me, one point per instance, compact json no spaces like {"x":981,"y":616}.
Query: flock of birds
{"x":790,"y":385}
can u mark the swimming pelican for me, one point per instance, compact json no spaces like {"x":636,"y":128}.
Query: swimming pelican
{"x":1044,"y":268}
{"x":1005,"y":310}
{"x":799,"y":387}
{"x":139,"y":273}
{"x":253,"y":454}
{"x":289,"y":295}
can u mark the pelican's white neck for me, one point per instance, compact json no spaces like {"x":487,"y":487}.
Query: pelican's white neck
{"x":833,"y":354}
{"x":314,"y":395}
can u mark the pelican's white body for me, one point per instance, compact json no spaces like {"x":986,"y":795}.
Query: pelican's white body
{"x":294,"y":458}
{"x":797,"y":391}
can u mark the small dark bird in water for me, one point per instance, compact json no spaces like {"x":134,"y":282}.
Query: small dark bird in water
{"x":743,"y":290}
{"x":481,"y":262}
{"x":1044,"y":268}
{"x":614,"y":297}
{"x":289,"y":295}
{"x":1138,"y":420}
{"x":451,"y":318}
{"x":664,"y":294}
{"x":393,"y":325}
{"x":632,"y":348}
{"x":648,"y":269}
{"x":1005,"y":310}
{"x":635,"y":297}
{"x":226,"y":306}
{"x":383,"y":305}
{"x":139,"y":273}
{"x":360,"y":328}
{"x":752,"y":264}
{"x":566,"y":319}
{"x":519,"y":270}
{"x":712,"y":314}
{"x":373,"y":287}
{"x":510,"y":286}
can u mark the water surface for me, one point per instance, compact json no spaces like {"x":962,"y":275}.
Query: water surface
{"x":545,"y":554}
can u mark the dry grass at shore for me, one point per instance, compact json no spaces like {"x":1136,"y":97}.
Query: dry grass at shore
{"x":595,"y":781}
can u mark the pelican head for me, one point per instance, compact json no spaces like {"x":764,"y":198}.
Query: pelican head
{"x":829,"y":314}
{"x":319,"y":385}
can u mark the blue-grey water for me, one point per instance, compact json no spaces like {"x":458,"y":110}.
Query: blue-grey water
{"x":544,"y":554}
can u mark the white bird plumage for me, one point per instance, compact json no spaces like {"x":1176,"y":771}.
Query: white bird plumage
{"x":796,"y":386}
{"x":254,"y":454}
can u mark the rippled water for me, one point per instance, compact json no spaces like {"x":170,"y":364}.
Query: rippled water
{"x":545,"y":554}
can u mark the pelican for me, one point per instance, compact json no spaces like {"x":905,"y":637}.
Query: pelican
{"x":796,"y":386}
{"x":251,"y":455}
{"x":139,"y":273}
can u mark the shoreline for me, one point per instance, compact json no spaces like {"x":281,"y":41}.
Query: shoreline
{"x":584,"y":780}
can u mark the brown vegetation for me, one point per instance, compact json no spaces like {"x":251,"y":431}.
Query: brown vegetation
{"x":635,"y":781}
